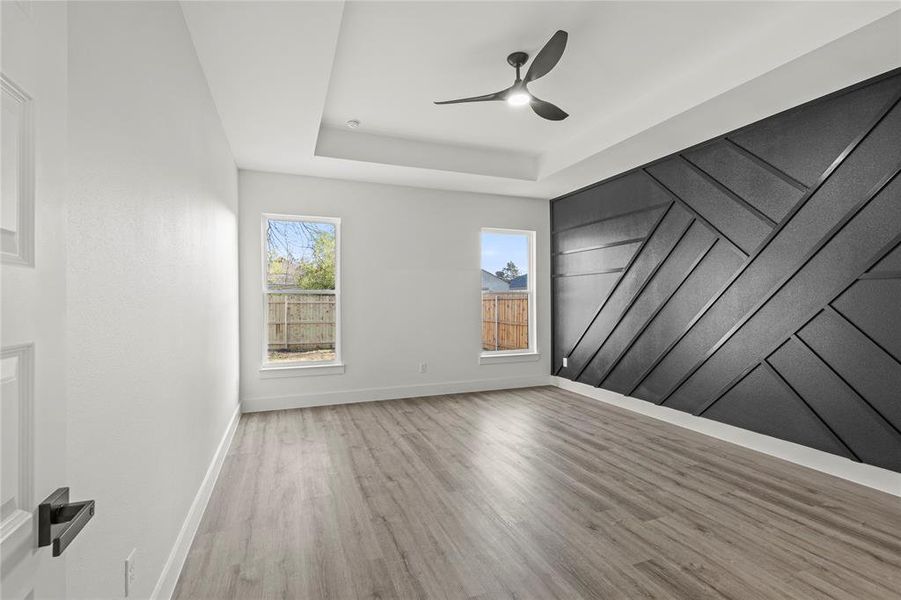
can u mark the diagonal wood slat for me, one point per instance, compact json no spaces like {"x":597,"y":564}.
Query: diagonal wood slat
{"x":783,"y":263}
{"x":785,"y":280}
{"x":616,"y":285}
{"x":729,"y":193}
{"x":732,"y":243}
{"x":650,"y":319}
{"x":638,"y":294}
{"x":766,"y":364}
{"x":641,"y":268}
{"x":821,"y":237}
{"x":767,"y":165}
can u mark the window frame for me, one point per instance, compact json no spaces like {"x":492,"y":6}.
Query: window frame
{"x":335,"y":365}
{"x":500,"y":356}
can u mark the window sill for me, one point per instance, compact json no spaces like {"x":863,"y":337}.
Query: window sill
{"x":513,"y":357}
{"x":270,"y":371}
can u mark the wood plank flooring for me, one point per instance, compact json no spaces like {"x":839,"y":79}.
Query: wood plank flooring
{"x":533,"y":493}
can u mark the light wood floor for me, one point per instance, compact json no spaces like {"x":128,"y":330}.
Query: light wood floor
{"x":535,"y":493}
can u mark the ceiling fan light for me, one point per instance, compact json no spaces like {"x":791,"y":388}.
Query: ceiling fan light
{"x":518,"y":99}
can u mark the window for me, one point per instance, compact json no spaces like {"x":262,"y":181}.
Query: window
{"x":301,"y":291}
{"x":508,"y":291}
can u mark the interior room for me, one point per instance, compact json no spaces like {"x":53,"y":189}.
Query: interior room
{"x":450,"y":300}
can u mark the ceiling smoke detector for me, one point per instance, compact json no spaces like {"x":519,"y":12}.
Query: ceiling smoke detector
{"x":352,"y":123}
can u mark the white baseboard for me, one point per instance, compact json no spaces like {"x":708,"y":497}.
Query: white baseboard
{"x":165,"y":585}
{"x":389,"y":393}
{"x":868,"y":475}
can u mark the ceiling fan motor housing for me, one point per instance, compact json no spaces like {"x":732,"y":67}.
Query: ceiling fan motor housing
{"x":517,"y":59}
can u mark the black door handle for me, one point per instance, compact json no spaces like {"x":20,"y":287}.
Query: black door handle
{"x":59,"y":521}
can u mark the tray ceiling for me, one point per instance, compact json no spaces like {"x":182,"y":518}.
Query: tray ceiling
{"x":637,"y":79}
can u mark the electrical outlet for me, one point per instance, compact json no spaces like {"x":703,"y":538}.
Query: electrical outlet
{"x":130,"y":572}
{"x":423,"y":367}
{"x":565,"y":362}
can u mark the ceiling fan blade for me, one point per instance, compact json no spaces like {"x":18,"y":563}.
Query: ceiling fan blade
{"x":487,"y":97}
{"x":547,"y":110}
{"x":548,"y":56}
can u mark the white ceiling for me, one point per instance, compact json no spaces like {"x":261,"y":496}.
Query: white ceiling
{"x":639,"y":79}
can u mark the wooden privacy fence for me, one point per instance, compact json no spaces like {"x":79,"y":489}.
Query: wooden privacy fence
{"x":505,"y":320}
{"x":299,"y":322}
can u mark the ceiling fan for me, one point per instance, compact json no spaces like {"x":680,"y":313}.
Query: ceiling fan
{"x":518,"y":94}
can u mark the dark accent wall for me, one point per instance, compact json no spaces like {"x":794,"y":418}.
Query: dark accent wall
{"x":754,"y":279}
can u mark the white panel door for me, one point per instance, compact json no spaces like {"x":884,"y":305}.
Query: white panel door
{"x":32,"y":276}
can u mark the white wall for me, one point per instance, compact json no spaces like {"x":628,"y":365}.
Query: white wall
{"x":410,"y":281}
{"x":152,"y":287}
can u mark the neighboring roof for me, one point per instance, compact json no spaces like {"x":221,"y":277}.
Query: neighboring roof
{"x":493,"y":283}
{"x":520,"y":282}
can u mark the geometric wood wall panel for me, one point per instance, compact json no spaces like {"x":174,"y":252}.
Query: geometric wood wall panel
{"x":595,"y":260}
{"x":732,"y":218}
{"x":620,"y":196}
{"x":854,"y":357}
{"x":674,"y":318}
{"x":758,"y":277}
{"x":672,"y":271}
{"x":802,"y":143}
{"x":823,"y":277}
{"x":874,"y":305}
{"x":763,"y":403}
{"x":620,"y":229}
{"x":571,"y":291}
{"x":861,"y":429}
{"x":890,"y":265}
{"x":741,"y":173}
{"x":665,"y":236}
